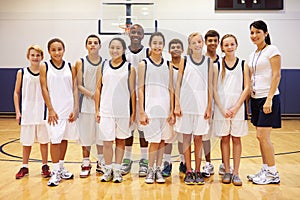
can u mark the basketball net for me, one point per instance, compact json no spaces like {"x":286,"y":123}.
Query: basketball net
{"x":126,"y":28}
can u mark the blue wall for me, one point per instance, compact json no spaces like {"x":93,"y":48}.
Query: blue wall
{"x":289,"y":88}
{"x":7,"y":86}
{"x":290,"y":91}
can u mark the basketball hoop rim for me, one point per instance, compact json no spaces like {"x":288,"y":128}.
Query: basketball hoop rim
{"x":126,"y":27}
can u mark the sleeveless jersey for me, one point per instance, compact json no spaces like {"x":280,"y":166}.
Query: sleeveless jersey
{"x":32,"y":99}
{"x":156,"y":89}
{"x":194,"y":87}
{"x":175,"y":73}
{"x":115,"y":94}
{"x":135,"y":58}
{"x":230,"y":89}
{"x":60,"y":87}
{"x":89,"y":71}
{"x":217,"y":59}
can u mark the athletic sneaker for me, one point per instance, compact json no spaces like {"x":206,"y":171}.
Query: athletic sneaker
{"x":46,"y":171}
{"x":143,"y":169}
{"x":55,"y":178}
{"x":222,"y":169}
{"x":267,"y":178}
{"x":150,"y":176}
{"x":24,"y":171}
{"x":236,"y":180}
{"x":166,"y":172}
{"x":158,"y":176}
{"x":107,"y":176}
{"x":227,"y":178}
{"x":100,"y":167}
{"x":85,"y":171}
{"x":126,"y":166}
{"x":208,"y":169}
{"x":189,"y":178}
{"x":199,"y":180}
{"x":65,"y":174}
{"x":182,"y":167}
{"x":250,"y":177}
{"x":117,"y":176}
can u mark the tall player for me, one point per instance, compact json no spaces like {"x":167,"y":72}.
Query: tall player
{"x":135,"y":53}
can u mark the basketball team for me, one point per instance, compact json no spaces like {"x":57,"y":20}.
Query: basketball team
{"x":186,"y":100}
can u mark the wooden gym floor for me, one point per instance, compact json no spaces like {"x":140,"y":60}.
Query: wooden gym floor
{"x":287,"y":148}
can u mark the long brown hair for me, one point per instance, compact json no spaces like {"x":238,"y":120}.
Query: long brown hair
{"x":262,"y":26}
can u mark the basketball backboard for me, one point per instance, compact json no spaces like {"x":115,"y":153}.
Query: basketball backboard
{"x":117,"y":16}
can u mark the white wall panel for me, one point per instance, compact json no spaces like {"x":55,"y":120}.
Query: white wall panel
{"x":26,"y":22}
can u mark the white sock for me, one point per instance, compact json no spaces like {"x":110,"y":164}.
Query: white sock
{"x":25,"y":165}
{"x":128,"y":152}
{"x":272,"y":169}
{"x":55,"y":166}
{"x":265,"y":166}
{"x":182,"y":158}
{"x":108,"y":166}
{"x":167,"y":157}
{"x":100,"y":157}
{"x":207,"y":163}
{"x":86,"y":161}
{"x":144,"y":153}
{"x":61,"y":164}
{"x":117,"y":166}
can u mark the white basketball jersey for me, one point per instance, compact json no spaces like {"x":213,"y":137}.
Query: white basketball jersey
{"x":32,"y":99}
{"x":60,"y":87}
{"x":230,"y":89}
{"x":194,"y":87}
{"x":175,"y":73}
{"x":115,"y":94}
{"x":135,"y":58}
{"x":89,"y":71}
{"x":157,"y":96}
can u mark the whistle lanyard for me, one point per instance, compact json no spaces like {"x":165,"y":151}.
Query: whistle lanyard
{"x":254,"y":64}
